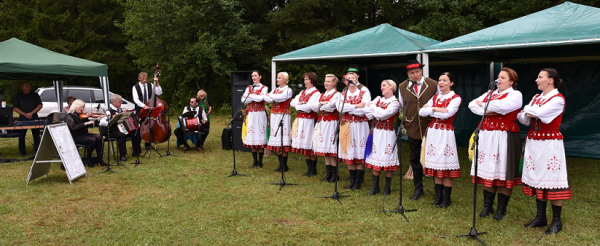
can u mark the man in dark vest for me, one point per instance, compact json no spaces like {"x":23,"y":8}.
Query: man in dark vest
{"x":414,"y":93}
{"x":115,"y":108}
{"x":142,"y":92}
{"x":201,"y":115}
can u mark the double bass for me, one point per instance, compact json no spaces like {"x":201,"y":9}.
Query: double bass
{"x":156,"y":129}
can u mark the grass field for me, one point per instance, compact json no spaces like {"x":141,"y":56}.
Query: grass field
{"x":187,"y":199}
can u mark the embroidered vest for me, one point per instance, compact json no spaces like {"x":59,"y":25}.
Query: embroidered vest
{"x":499,"y":122}
{"x":443,"y":124}
{"x":545,"y":131}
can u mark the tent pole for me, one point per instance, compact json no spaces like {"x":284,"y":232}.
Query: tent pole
{"x":105,"y":90}
{"x":425,"y":57}
{"x":273,"y":74}
{"x":58,"y":91}
{"x":492,"y":72}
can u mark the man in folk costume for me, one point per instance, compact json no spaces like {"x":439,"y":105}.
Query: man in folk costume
{"x":113,"y":130}
{"x":201,"y":115}
{"x":420,"y":89}
{"x":142,"y":93}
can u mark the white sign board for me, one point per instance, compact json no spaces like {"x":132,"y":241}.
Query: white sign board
{"x":57,"y":138}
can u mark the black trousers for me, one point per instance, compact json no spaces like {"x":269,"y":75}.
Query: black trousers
{"x":121,"y":140}
{"x":415,"y":162}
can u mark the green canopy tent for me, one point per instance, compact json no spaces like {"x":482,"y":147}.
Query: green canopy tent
{"x":566,"y":37}
{"x":383,"y":45}
{"x":20,"y":60}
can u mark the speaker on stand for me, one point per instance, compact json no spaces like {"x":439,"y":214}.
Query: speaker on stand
{"x":240,"y":80}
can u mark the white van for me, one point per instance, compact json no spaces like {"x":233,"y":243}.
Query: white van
{"x":86,"y":93}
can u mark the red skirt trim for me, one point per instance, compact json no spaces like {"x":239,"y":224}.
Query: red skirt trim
{"x":378,"y":168}
{"x":351,"y":161}
{"x":547,"y":194}
{"x":502,"y":183}
{"x":303,"y":151}
{"x":326,"y":154}
{"x":442,"y":173}
{"x":255,"y":146}
{"x":278,"y":148}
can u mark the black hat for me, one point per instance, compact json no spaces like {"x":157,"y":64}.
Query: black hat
{"x":414,"y":64}
{"x":353,"y":68}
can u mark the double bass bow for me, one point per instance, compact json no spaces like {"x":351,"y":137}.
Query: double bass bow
{"x":156,"y":129}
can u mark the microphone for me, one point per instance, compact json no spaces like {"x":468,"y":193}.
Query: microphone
{"x":258,"y":85}
{"x":297,"y":86}
{"x":496,"y":82}
{"x":351,"y":82}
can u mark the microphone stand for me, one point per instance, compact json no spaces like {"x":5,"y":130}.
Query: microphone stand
{"x":473,"y":233}
{"x":400,"y":208}
{"x":280,"y":127}
{"x":231,"y":135}
{"x":336,"y":138}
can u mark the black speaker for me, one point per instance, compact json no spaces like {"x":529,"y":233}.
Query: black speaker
{"x":226,"y":138}
{"x":240,"y":80}
{"x":237,"y":136}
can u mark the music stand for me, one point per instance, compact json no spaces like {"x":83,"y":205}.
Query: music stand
{"x":150,"y":113}
{"x":116,"y":119}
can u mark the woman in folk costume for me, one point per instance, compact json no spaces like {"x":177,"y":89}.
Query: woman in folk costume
{"x":328,"y":122}
{"x":545,"y":166}
{"x":256,"y":118}
{"x":280,"y":97}
{"x":499,"y":143}
{"x":324,"y":142}
{"x":441,"y":157}
{"x":355,"y":127}
{"x":379,"y":153}
{"x":302,"y":141}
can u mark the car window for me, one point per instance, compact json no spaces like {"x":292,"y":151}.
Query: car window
{"x":98,"y":96}
{"x":84,"y":94}
{"x":49,"y":95}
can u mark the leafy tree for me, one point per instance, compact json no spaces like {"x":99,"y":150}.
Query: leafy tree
{"x":83,"y":29}
{"x":196,"y":42}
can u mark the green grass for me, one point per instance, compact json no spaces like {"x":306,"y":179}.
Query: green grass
{"x":187,"y":200}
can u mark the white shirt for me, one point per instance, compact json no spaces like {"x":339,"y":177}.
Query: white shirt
{"x":512,"y":102}
{"x":546,"y":113}
{"x":452,"y":107}
{"x":104,"y":120}
{"x":137,"y":100}
{"x":196,"y":109}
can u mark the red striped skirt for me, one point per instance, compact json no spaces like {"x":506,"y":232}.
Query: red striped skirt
{"x":255,"y":146}
{"x":351,"y":161}
{"x":378,"y":168}
{"x":548,"y":194}
{"x":442,"y":173}
{"x":278,"y":148}
{"x":303,"y":151}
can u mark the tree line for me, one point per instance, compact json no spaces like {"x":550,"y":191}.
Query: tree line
{"x":199,"y":42}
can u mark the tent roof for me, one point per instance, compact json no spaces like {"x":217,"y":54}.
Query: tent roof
{"x":377,"y":45}
{"x":22,"y":60}
{"x":563,"y":25}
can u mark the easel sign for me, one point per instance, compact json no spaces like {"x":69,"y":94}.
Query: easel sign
{"x":57,"y":138}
